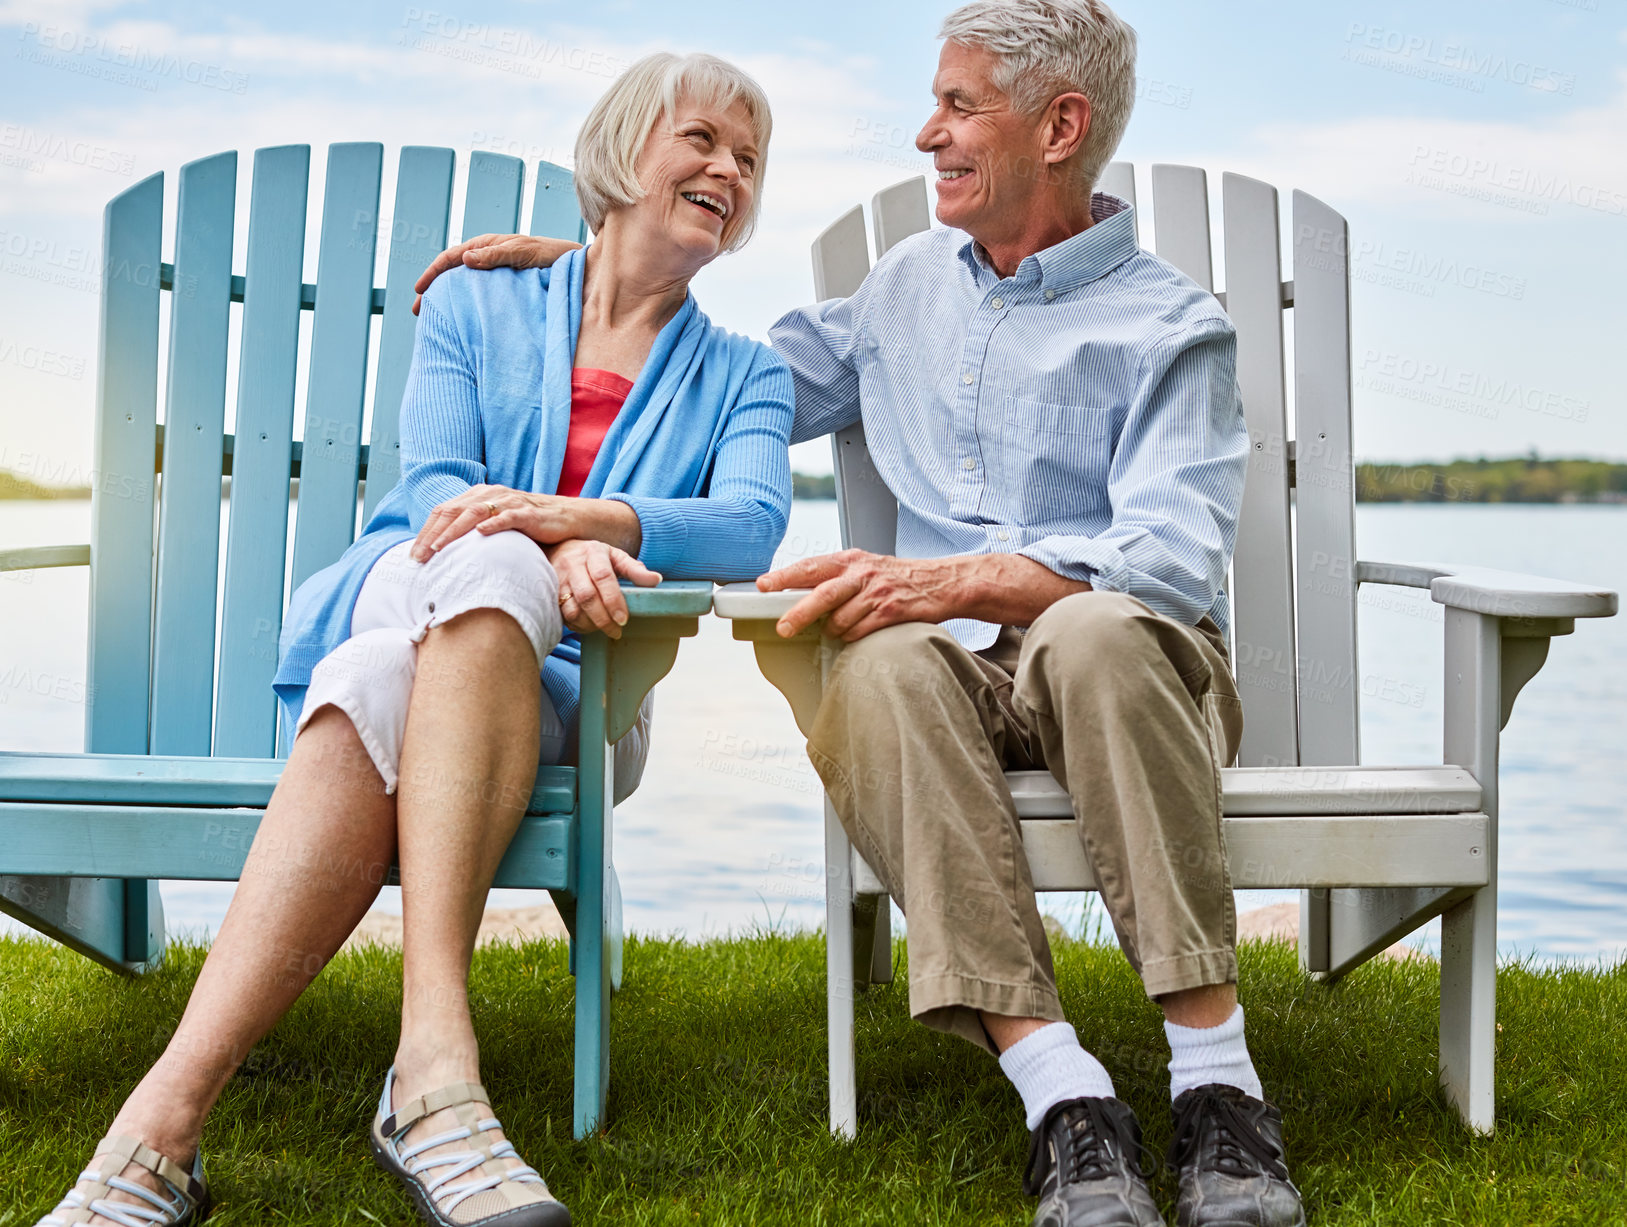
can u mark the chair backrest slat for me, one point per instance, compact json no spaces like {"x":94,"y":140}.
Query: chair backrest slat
{"x":1119,"y":179}
{"x":898,"y":212}
{"x":1180,"y":208}
{"x":119,"y":673}
{"x":491,"y":204}
{"x":423,"y":206}
{"x":194,"y":429}
{"x":554,"y":212}
{"x":866,"y":509}
{"x":331,"y":457}
{"x":1263,"y":588}
{"x":1324,"y":511}
{"x":257,"y":530}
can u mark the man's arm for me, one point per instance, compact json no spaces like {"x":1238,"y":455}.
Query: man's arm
{"x":1176,"y":485}
{"x":820,"y":343}
{"x":493,"y":251}
{"x":864,"y":592}
{"x":1175,"y":481}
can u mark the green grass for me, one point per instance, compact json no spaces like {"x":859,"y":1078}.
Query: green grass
{"x":717,"y":1105}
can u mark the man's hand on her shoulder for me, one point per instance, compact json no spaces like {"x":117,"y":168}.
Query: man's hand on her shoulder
{"x":863,"y":592}
{"x":493,"y":251}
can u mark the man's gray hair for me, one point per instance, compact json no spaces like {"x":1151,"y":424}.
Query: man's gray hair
{"x":1051,"y":47}
{"x":615,"y":130}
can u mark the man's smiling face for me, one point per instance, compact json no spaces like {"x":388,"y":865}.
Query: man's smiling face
{"x":987,"y":155}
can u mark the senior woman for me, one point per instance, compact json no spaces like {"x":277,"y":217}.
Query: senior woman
{"x":561,"y":430}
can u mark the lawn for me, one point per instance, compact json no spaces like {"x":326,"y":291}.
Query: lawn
{"x":717,"y":1103}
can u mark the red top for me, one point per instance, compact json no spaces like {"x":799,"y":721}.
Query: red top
{"x":596,"y":399}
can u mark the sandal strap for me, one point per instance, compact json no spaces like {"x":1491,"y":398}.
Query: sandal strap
{"x":112,"y":1155}
{"x":133,"y":1150}
{"x":448,"y":1096}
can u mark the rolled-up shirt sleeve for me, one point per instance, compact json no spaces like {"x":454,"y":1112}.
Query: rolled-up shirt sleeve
{"x":1175,"y":481}
{"x":820,"y":344}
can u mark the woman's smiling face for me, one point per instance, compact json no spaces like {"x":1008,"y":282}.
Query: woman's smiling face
{"x":698,"y":169}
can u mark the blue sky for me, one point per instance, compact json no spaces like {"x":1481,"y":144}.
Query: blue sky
{"x":1476,"y":148}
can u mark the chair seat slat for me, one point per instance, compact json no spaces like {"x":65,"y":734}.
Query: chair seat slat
{"x":157,"y":780}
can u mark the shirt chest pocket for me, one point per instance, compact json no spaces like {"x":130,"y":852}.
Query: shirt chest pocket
{"x":1057,"y":458}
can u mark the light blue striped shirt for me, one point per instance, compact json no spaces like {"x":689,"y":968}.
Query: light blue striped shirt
{"x":1083,"y":412}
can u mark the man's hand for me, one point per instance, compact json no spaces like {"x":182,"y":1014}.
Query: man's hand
{"x":864,"y":592}
{"x":545,"y":518}
{"x":493,"y":251}
{"x":590,"y":596}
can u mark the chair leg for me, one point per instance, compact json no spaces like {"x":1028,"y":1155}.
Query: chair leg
{"x":881,"y":946}
{"x":1469,"y":1008}
{"x":117,"y":922}
{"x":613,"y":928}
{"x":839,"y":979}
{"x":594,"y":947}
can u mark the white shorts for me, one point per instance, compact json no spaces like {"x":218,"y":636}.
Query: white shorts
{"x":369,"y":676}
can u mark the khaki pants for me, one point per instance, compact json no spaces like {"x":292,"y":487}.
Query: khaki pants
{"x":1132,"y":712}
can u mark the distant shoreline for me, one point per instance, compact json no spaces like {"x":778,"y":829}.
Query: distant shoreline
{"x":1519,"y":480}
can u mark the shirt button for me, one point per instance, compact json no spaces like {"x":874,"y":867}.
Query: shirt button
{"x":1004,"y":536}
{"x":966,"y":378}
{"x":1049,"y":295}
{"x":998,"y":303}
{"x":968,"y":463}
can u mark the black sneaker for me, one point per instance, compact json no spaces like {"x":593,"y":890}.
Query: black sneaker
{"x":1228,"y":1152}
{"x":1084,"y":1165}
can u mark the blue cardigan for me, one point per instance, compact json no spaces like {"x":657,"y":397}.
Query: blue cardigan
{"x":699,"y":449}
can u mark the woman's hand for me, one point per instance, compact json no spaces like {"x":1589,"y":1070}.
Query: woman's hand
{"x":545,"y":518}
{"x":590,"y":596}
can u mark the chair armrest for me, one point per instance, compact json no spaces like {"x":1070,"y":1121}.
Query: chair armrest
{"x":686,"y":598}
{"x":1500,"y":594}
{"x":742,"y":602}
{"x":41,"y":556}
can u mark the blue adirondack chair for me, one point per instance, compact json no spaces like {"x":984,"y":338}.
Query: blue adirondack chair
{"x":180,"y":733}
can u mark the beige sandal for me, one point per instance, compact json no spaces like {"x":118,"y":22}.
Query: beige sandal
{"x":518,"y":1198}
{"x":187,"y":1204}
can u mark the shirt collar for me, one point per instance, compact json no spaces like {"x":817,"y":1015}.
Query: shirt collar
{"x":1092,"y":253}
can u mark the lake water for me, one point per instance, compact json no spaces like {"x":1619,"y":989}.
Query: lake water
{"x":727,"y":832}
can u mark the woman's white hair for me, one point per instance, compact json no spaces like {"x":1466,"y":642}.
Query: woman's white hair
{"x":615,"y":130}
{"x":1052,"y":47}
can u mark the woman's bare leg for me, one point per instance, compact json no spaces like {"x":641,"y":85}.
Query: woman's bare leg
{"x":467,"y":766}
{"x":321,"y":854}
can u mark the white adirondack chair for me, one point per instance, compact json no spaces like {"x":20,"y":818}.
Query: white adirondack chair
{"x":1380,"y":851}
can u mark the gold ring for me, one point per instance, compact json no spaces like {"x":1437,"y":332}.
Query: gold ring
{"x":491,"y":510}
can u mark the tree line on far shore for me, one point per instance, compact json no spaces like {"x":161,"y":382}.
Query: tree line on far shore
{"x":1520,"y":479}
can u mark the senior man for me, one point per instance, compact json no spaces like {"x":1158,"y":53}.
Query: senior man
{"x":1056,"y":411}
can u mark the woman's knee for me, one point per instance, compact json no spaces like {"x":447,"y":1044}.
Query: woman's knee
{"x":502,"y":573}
{"x":507,"y":564}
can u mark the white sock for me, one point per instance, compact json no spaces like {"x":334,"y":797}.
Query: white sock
{"x":1201,"y":1055}
{"x":1050,"y":1066}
